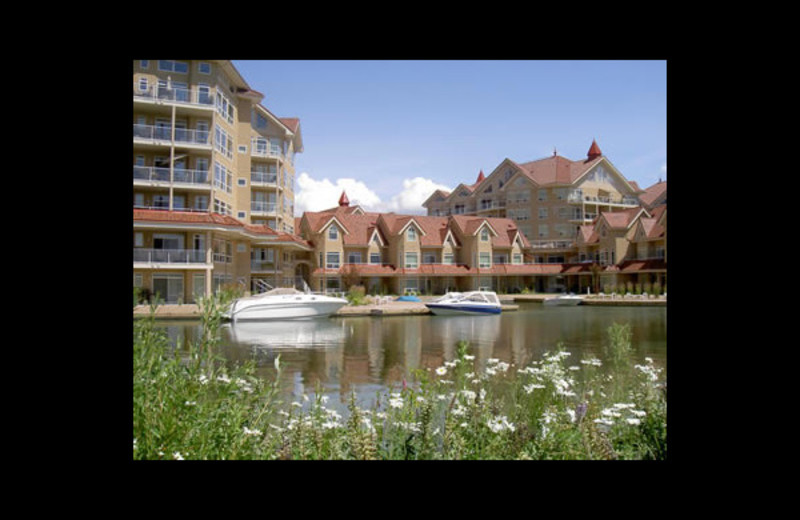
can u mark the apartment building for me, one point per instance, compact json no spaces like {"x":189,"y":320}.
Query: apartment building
{"x":574,"y":213}
{"x":393,"y":253}
{"x":213,"y":181}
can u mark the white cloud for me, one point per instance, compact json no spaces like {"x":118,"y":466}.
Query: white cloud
{"x":415,"y":192}
{"x":314,"y":195}
{"x":664,"y":168}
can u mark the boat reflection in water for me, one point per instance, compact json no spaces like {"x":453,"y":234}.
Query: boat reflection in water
{"x":286,"y":334}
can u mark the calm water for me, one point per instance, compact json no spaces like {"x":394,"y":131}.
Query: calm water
{"x":373,"y":354}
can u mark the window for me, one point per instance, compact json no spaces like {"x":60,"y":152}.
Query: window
{"x":412,"y":262}
{"x":429,"y":258}
{"x":173,"y":66}
{"x":260,"y":121}
{"x":411,"y":286}
{"x":447,"y":258}
{"x":516,"y":258}
{"x":142,"y":84}
{"x":145,"y":64}
{"x":484,"y":235}
{"x":411,"y":234}
{"x":375,"y":258}
{"x":543,"y":231}
{"x":542,"y":194}
{"x":204,"y":68}
{"x":484,"y":260}
{"x":542,"y":213}
{"x":138,"y":239}
{"x":333,"y":233}
{"x":332,"y":260}
{"x":354,"y":258}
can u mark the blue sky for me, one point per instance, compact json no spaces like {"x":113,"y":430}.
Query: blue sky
{"x":391,"y":131}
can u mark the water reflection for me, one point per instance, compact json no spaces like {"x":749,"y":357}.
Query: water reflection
{"x":371,"y":354}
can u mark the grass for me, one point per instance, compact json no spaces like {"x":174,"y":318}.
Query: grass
{"x":554,"y":408}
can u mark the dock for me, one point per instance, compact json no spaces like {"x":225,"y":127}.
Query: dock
{"x":191,"y":311}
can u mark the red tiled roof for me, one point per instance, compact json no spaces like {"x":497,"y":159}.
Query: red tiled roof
{"x":184,"y":217}
{"x":653,"y":193}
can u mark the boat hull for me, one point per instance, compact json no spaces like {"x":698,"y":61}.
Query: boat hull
{"x":457,"y":310}
{"x":565,"y":302}
{"x":284,"y":310}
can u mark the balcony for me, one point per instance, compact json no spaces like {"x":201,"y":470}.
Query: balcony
{"x":162,"y":135}
{"x":173,"y":257}
{"x":263,"y":179}
{"x":154,"y":176}
{"x":552,"y":244}
{"x":487,"y":205}
{"x":200,"y":97}
{"x":577,"y":197}
{"x":260,"y":208}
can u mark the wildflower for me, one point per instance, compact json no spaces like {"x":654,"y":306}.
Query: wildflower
{"x":441,"y":371}
{"x":396,"y":401}
{"x":500,"y":424}
{"x":468,"y":357}
{"x":223,"y":378}
{"x":248,"y":431}
{"x":190,"y":403}
{"x":177,"y":456}
{"x":297,"y":405}
{"x":203,"y":379}
{"x":633,"y":421}
{"x":469,"y":394}
{"x":572,"y":415}
{"x":530,"y":388}
{"x":134,"y":444}
{"x":580,"y":411}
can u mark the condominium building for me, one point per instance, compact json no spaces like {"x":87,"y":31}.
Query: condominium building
{"x":213,"y":181}
{"x":573,"y":212}
{"x":392,"y":253}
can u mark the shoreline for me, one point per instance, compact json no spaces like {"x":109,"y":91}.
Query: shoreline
{"x":191,"y":311}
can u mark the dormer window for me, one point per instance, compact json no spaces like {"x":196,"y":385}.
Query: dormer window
{"x":333,"y":233}
{"x":411,"y":234}
{"x":484,"y":235}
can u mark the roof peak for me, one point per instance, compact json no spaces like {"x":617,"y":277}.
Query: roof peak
{"x":594,"y":151}
{"x":343,"y":200}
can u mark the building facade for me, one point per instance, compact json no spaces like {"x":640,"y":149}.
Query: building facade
{"x":213,"y":181}
{"x":574,"y":213}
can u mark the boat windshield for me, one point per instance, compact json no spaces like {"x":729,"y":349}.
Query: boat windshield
{"x":482,"y":297}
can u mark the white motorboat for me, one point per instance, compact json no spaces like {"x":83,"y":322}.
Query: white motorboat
{"x":474,"y":302}
{"x":284,"y":304}
{"x":564,"y":299}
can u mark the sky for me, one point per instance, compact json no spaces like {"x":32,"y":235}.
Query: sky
{"x":390,"y":132}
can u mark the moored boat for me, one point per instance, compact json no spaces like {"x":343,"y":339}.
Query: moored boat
{"x":564,"y":299}
{"x":474,"y":302}
{"x":284,"y":304}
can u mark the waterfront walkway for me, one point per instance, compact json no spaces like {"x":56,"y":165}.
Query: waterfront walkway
{"x":390,"y":307}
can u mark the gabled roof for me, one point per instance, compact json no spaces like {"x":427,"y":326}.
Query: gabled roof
{"x":655,"y":194}
{"x":623,"y":219}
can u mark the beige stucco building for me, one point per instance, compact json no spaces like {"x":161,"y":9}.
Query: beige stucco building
{"x":213,"y":177}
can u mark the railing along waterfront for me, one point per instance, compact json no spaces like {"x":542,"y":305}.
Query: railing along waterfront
{"x":169,"y":256}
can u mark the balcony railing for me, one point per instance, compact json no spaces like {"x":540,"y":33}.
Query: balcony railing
{"x":494,"y":204}
{"x":156,"y":174}
{"x":578,"y":196}
{"x":552,"y":244}
{"x":263,"y":207}
{"x":264,"y":178}
{"x":189,"y":96}
{"x":169,"y":256}
{"x":164,"y":133}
